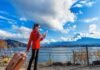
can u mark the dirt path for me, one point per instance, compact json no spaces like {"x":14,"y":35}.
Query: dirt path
{"x":61,"y":68}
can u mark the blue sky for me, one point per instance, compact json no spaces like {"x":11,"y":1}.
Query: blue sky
{"x":65,"y":20}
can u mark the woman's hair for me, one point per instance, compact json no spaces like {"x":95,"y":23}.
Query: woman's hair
{"x":35,"y":25}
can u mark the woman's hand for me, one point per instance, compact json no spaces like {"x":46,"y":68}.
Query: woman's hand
{"x":44,"y":35}
{"x":26,"y":51}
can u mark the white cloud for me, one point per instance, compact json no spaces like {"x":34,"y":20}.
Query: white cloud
{"x":23,"y":19}
{"x":72,"y":28}
{"x":78,"y":5}
{"x":92,"y":28}
{"x":6,"y":35}
{"x":92,"y":32}
{"x":52,"y":13}
{"x":84,"y":34}
{"x":8,"y":20}
{"x":82,"y":3}
{"x":53,"y":40}
{"x":60,"y":39}
{"x":5,"y":18}
{"x":89,"y":20}
{"x":79,"y":35}
{"x":90,"y":4}
{"x":49,"y":41}
{"x":21,"y":33}
{"x":21,"y":29}
{"x":12,"y":19}
{"x":24,"y":31}
{"x":65,"y":39}
{"x":80,"y":12}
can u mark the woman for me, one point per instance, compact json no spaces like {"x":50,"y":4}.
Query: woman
{"x":34,"y":40}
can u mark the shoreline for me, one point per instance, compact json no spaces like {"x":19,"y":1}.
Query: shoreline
{"x":60,"y":68}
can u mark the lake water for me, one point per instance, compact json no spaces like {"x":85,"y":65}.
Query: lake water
{"x":61,"y":54}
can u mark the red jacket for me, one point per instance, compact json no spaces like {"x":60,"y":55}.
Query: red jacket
{"x":34,"y":40}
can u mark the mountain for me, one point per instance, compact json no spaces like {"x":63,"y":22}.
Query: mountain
{"x":12,"y":43}
{"x":89,"y":41}
{"x":83,"y":41}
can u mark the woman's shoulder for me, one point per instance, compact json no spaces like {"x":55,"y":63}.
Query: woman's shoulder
{"x":34,"y":32}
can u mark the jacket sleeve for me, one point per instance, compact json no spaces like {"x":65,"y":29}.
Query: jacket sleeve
{"x":29,"y":42}
{"x":42,"y":37}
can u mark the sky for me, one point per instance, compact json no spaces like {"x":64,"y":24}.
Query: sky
{"x":65,"y":20}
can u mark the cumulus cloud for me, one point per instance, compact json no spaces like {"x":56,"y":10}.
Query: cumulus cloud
{"x":6,"y":35}
{"x":22,"y":30}
{"x":21,"y":33}
{"x":52,"y":13}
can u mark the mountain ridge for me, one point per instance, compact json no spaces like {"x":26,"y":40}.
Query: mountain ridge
{"x":83,"y":41}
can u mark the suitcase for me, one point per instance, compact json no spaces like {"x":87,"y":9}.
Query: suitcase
{"x":17,"y":61}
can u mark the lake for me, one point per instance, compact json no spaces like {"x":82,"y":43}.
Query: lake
{"x":56,"y":54}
